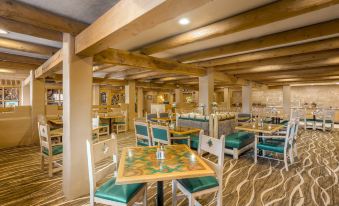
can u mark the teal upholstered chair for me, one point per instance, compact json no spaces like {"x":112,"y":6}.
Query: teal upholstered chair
{"x":51,"y":149}
{"x":110,"y":193}
{"x":120,"y":124}
{"x":195,"y":187}
{"x":326,"y":120}
{"x":238,"y":142}
{"x":277,"y":144}
{"x":161,"y":135}
{"x":142,"y":134}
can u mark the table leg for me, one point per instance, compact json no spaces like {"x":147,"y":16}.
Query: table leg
{"x":110,"y":125}
{"x":160,"y":193}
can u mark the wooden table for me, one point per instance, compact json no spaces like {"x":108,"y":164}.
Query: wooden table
{"x":56,"y":121}
{"x":184,"y":130}
{"x":57,"y":132}
{"x":139,"y":165}
{"x":110,"y":117}
{"x":164,"y":119}
{"x":266,"y":129}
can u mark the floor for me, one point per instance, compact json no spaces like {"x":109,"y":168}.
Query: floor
{"x":312,"y":179}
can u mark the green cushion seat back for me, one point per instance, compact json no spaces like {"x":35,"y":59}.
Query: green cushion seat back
{"x":199,"y":183}
{"x":117,"y":193}
{"x":160,"y":134}
{"x":239,"y":139}
{"x":142,"y":143}
{"x":141,"y":129}
{"x":58,"y":149}
{"x":194,"y":140}
{"x":271,"y":146}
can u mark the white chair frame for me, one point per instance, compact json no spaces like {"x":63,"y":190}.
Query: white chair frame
{"x":217,"y":149}
{"x":143,"y":137}
{"x":98,"y":152}
{"x":169,"y":138}
{"x":121,"y":127}
{"x":46,"y":142}
{"x":288,"y":144}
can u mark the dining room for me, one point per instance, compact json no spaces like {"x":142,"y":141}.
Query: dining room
{"x":169,"y":102}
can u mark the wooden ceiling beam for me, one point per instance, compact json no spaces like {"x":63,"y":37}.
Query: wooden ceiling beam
{"x":53,"y":64}
{"x":322,"y":45}
{"x":15,"y":65}
{"x":282,"y":38}
{"x":294,"y":66}
{"x":142,"y":75}
{"x":20,"y":59}
{"x":25,"y":13}
{"x":28,"y":29}
{"x":26,"y":46}
{"x":128,"y":18}
{"x":269,"y":13}
{"x":280,"y":60}
{"x":120,"y":57}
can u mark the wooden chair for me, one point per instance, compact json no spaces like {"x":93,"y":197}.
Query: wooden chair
{"x":161,"y":135}
{"x":328,"y":119}
{"x":121,"y":124}
{"x":99,"y":129}
{"x":51,"y":149}
{"x":277,"y":144}
{"x":110,"y":193}
{"x":195,"y":187}
{"x":142,"y":134}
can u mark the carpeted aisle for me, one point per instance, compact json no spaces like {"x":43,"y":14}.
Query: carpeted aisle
{"x":311,"y":180}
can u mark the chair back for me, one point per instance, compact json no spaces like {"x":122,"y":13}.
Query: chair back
{"x":160,"y":134}
{"x":149,"y":117}
{"x":163,"y":114}
{"x":44,"y":136}
{"x":142,"y":131}
{"x":215,"y":147}
{"x":95,"y":122}
{"x":290,"y":134}
{"x":99,"y":152}
{"x":329,"y":114}
{"x":42,"y":119}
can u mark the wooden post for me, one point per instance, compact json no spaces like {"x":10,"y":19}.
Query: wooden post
{"x":246,"y":98}
{"x":140,"y":97}
{"x":37,"y":101}
{"x":287,"y":99}
{"x":130,"y":100}
{"x":77,"y":90}
{"x":227,"y":98}
{"x":25,"y":94}
{"x":178,"y":97}
{"x":206,"y":90}
{"x":96,"y":94}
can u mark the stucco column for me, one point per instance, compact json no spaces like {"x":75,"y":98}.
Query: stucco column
{"x":130,"y":100}
{"x":206,"y":90}
{"x":140,"y":104}
{"x":246,"y":98}
{"x":77,"y":117}
{"x":287,"y":99}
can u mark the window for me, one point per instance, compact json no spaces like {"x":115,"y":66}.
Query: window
{"x":9,"y":96}
{"x":54,"y":97}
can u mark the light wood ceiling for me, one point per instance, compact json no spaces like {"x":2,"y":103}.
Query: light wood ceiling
{"x":267,"y":42}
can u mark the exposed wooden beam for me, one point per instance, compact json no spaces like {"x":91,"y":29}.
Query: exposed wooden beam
{"x":28,"y":29}
{"x":53,"y":64}
{"x":294,"y":66}
{"x":26,"y":46}
{"x":301,"y":79}
{"x":327,"y":44}
{"x":15,"y":65}
{"x":142,"y":75}
{"x":270,"y":13}
{"x":97,"y":68}
{"x":41,"y":18}
{"x":20,"y":59}
{"x":124,"y":73}
{"x":167,"y":86}
{"x":165,"y":79}
{"x":268,"y":75}
{"x":265,"y":42}
{"x":112,"y":82}
{"x":120,"y":57}
{"x":280,"y":60}
{"x":128,"y":18}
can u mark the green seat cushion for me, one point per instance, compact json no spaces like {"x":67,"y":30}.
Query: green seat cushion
{"x":159,"y":134}
{"x":271,"y":146}
{"x":142,"y":143}
{"x":199,"y":183}
{"x":119,"y":122}
{"x":141,"y":129}
{"x":55,"y":150}
{"x":328,"y":121}
{"x":117,"y":193}
{"x":239,"y":139}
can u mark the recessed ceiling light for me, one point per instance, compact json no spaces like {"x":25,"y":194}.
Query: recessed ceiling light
{"x":337,"y":83}
{"x":3,"y":31}
{"x":184,"y":21}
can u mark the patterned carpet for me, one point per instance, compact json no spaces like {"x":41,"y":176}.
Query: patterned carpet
{"x":312,"y":179}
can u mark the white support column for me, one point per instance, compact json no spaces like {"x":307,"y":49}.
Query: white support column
{"x":140,"y":98}
{"x":178,"y":97}
{"x":130,"y":100}
{"x":246,"y":98}
{"x":25,"y":94}
{"x":227,"y":98}
{"x":77,"y":117}
{"x":287,"y":99}
{"x":96,"y":94}
{"x":37,"y":101}
{"x":206,"y":91}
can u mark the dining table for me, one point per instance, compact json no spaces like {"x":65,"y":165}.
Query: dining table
{"x":179,"y":131}
{"x":256,"y":128}
{"x":140,"y":165}
{"x":110,"y":117}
